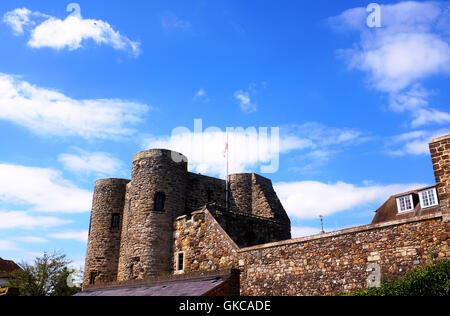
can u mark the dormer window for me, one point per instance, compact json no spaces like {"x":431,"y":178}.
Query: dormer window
{"x":428,"y":198}
{"x":405,"y":204}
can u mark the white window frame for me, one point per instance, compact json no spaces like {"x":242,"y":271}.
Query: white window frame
{"x":436,"y":201}
{"x":177,"y":258}
{"x":399,"y":208}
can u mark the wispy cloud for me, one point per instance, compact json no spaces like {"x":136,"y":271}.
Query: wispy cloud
{"x":87,"y":162}
{"x":201,"y":95}
{"x":249,"y":148}
{"x":7,"y":245}
{"x":44,"y":190}
{"x":26,"y":221}
{"x":170,"y":21}
{"x":49,"y":112}
{"x":414,"y":143}
{"x":81,"y":236}
{"x":306,"y":199}
{"x":245,"y":101}
{"x":69,"y":33}
{"x":32,"y":240}
{"x":411,"y":46}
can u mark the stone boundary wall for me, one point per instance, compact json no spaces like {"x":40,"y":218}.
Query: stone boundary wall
{"x":337,"y":262}
{"x":317,"y":265}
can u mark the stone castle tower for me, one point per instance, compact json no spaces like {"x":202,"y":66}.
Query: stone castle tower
{"x":131,"y":233}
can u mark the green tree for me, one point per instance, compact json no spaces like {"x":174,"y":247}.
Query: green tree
{"x":46,"y":277}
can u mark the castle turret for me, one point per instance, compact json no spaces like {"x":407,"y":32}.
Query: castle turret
{"x":440,"y":153}
{"x":103,"y":248}
{"x":157,"y":197}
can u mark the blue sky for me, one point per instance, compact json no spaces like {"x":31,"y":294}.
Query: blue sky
{"x":80,"y":93}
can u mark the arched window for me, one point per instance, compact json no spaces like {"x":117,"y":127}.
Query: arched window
{"x":160,"y":199}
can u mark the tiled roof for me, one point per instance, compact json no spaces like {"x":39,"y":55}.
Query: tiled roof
{"x":7,"y":266}
{"x":193,"y":287}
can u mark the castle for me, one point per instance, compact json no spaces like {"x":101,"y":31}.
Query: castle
{"x":168,"y":230}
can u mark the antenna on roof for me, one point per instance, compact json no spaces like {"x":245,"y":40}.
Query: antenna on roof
{"x":321,"y":224}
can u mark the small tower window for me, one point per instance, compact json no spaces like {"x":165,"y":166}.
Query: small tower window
{"x":160,"y":199}
{"x":180,"y":262}
{"x":115,"y":221}
{"x":209,"y":193}
{"x":92,"y":277}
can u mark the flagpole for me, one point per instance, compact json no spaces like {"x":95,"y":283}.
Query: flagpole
{"x":227,"y":184}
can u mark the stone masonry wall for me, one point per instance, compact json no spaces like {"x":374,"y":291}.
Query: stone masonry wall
{"x":265,"y":202}
{"x":205,"y":244}
{"x":124,"y":237}
{"x":337,"y":262}
{"x":440,"y":154}
{"x":248,"y":230}
{"x":318,"y":265}
{"x":202,"y":190}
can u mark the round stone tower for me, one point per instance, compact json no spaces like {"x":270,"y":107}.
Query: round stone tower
{"x":103,"y":249}
{"x":157,"y":198}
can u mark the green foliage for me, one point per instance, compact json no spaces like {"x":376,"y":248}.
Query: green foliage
{"x":430,"y":280}
{"x":46,"y":277}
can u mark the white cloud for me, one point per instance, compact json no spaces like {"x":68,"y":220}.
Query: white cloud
{"x":310,"y":199}
{"x":245,"y":102}
{"x":86,"y":162}
{"x":49,"y":112}
{"x":42,"y":189}
{"x":412,"y":45}
{"x":20,"y":18}
{"x":69,"y":33}
{"x":414,"y":143}
{"x":205,"y":152}
{"x":6,"y":245}
{"x":32,"y":240}
{"x":23,"y":220}
{"x":81,"y":236}
{"x":249,"y":149}
{"x":298,"y":231}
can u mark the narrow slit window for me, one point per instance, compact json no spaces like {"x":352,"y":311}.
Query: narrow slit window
{"x":160,"y":199}
{"x":180,"y":261}
{"x":115,"y":221}
{"x":92,"y":277}
{"x":209,"y":194}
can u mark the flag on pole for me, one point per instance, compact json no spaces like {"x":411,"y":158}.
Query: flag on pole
{"x":226,"y":149}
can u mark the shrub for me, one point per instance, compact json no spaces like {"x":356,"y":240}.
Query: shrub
{"x":429,"y":280}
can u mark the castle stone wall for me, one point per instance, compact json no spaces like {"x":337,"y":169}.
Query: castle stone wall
{"x":440,"y":154}
{"x":202,"y":190}
{"x":103,"y":248}
{"x":248,"y":230}
{"x":338,"y":262}
{"x":318,"y":265}
{"x":240,"y":197}
{"x":205,"y":244}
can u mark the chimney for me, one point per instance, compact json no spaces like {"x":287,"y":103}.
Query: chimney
{"x":440,"y":154}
